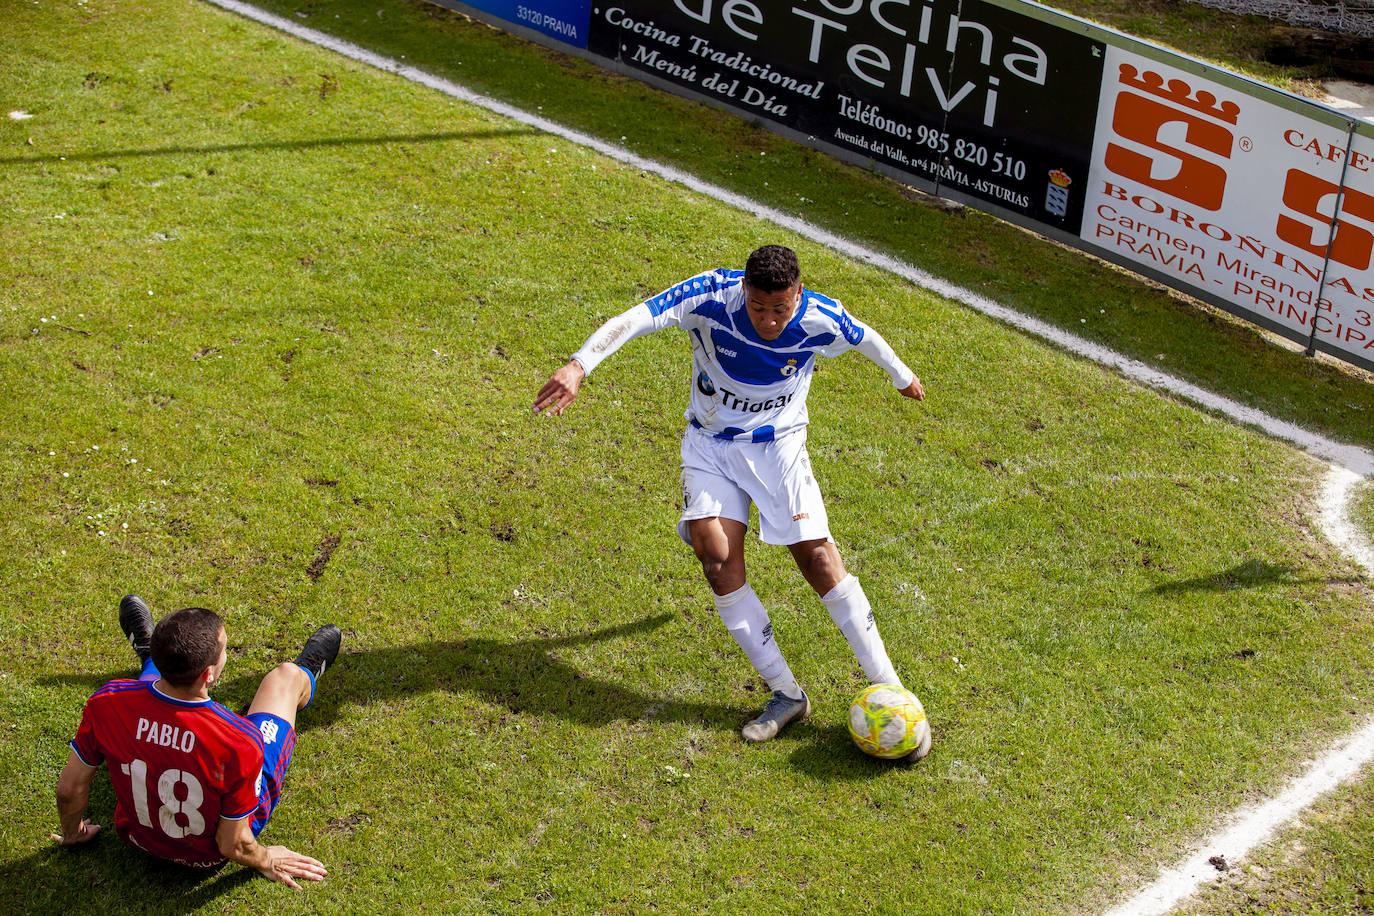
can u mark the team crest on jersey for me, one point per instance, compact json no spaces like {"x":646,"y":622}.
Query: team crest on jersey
{"x":704,"y":385}
{"x":790,"y":369}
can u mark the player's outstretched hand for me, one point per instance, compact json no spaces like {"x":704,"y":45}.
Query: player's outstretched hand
{"x":915,"y":390}
{"x":560,"y":390}
{"x":83,"y":835}
{"x":285,"y":866}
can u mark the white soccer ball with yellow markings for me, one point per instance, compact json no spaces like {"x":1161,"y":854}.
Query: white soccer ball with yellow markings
{"x":887,"y":721}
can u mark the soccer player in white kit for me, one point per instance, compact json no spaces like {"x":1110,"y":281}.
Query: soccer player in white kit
{"x":756,"y":335}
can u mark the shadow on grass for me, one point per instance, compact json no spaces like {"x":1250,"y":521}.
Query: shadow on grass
{"x":525,"y":676}
{"x":297,"y":145}
{"x":89,"y":683}
{"x":828,"y":753}
{"x":1250,"y":574}
{"x":107,"y":876}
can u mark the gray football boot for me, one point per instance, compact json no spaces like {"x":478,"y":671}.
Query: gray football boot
{"x":776,"y":715}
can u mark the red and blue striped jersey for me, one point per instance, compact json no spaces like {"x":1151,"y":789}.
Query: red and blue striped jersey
{"x":177,"y":767}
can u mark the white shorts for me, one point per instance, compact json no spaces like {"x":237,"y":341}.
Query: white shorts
{"x":722,"y":477}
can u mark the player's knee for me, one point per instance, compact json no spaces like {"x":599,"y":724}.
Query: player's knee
{"x":717,"y":573}
{"x":723,"y":573}
{"x":287,"y":683}
{"x":820,"y":564}
{"x":286,"y":672}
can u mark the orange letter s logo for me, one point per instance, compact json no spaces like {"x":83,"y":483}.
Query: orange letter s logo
{"x":1304,"y":194}
{"x":1156,"y":122}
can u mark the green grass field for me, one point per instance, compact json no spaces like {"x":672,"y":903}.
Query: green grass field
{"x":272,"y":328}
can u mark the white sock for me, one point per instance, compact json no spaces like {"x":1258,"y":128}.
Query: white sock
{"x":743,"y":615}
{"x":849,"y":608}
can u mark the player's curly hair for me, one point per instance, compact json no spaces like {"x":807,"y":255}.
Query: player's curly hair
{"x":772,"y":268}
{"x":185,"y":643}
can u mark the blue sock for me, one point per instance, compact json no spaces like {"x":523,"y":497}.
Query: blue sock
{"x":149,"y":672}
{"x":310,"y":674}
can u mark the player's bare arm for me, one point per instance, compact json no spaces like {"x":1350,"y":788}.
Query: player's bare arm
{"x":73,"y":795}
{"x":560,"y":390}
{"x":275,"y":863}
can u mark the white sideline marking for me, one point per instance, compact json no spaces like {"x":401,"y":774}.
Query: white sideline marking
{"x":1248,"y":828}
{"x":1337,"y":496}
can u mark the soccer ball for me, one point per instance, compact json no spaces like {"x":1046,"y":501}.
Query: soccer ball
{"x":887,"y":721}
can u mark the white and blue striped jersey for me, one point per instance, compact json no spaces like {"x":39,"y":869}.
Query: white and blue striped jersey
{"x":745,"y":387}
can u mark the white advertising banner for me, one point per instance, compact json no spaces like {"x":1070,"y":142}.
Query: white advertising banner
{"x":1222,"y":193}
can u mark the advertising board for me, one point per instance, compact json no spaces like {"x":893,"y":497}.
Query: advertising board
{"x":1245,"y":196}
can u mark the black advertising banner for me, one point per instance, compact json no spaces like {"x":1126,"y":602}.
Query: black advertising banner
{"x":969,"y":100}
